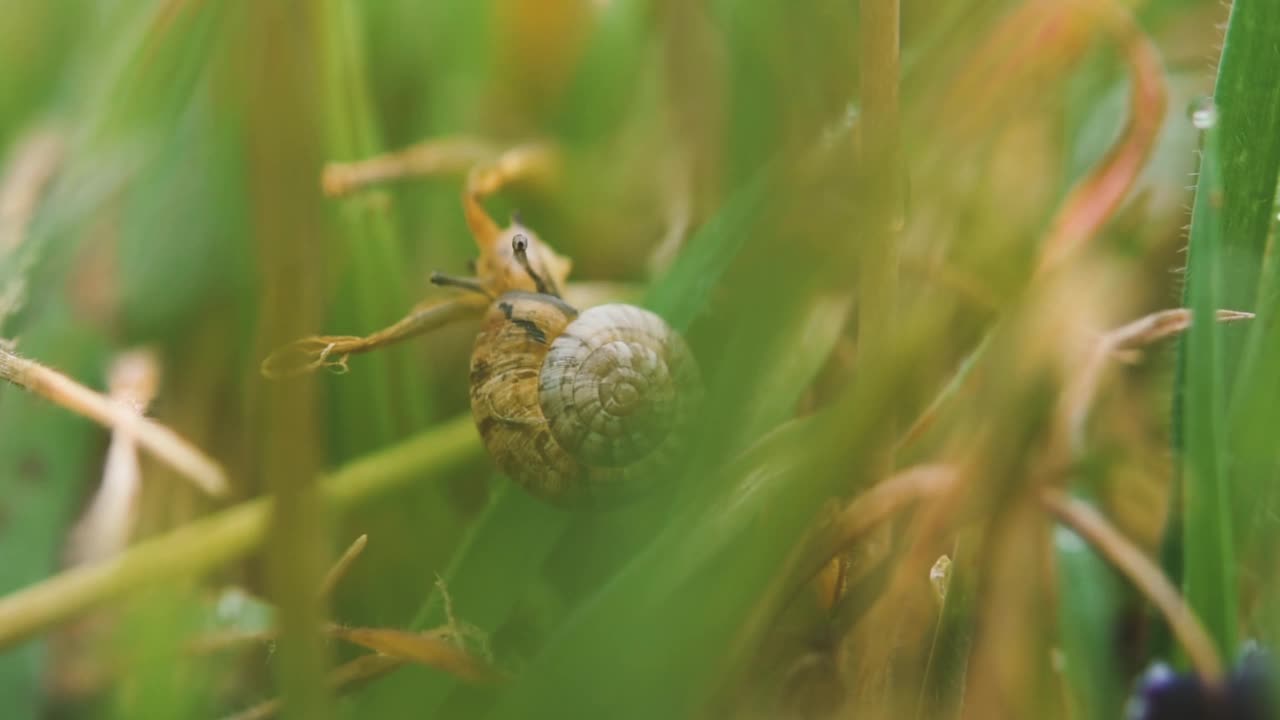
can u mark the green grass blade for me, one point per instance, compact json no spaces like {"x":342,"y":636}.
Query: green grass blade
{"x":1233,"y":212}
{"x":943,"y":680}
{"x":1208,"y":544}
{"x":1088,"y":599}
{"x":386,"y":388}
{"x":1251,"y":148}
{"x":505,"y":548}
{"x":709,"y":581}
{"x":683,"y":293}
{"x":1249,"y":143}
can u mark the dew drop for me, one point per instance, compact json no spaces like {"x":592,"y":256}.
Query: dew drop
{"x":1204,"y":114}
{"x":940,"y":577}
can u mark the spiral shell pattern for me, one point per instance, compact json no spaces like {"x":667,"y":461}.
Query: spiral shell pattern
{"x":615,"y":384}
{"x":582,"y":408}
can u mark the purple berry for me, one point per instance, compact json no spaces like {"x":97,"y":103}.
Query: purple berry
{"x":1246,"y":695}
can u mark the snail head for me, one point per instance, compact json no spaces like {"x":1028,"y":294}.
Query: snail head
{"x":519,"y":260}
{"x":520,"y":249}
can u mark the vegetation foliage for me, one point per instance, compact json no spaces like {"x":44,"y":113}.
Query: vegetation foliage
{"x":982,"y":293}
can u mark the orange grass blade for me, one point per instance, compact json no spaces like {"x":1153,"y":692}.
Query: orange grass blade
{"x":1095,"y":199}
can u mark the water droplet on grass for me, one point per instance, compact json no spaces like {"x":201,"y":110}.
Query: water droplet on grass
{"x":1203,"y":113}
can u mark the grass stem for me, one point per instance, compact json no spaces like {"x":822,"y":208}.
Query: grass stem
{"x":205,"y":544}
{"x":167,"y":446}
{"x":1144,"y":573}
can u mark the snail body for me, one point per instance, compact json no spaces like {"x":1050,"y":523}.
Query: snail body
{"x":580,"y":407}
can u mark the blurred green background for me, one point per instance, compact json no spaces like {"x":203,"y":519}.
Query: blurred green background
{"x":831,"y":258}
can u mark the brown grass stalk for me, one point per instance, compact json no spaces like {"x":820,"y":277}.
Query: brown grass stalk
{"x":343,"y":565}
{"x":1144,"y":573}
{"x":449,"y":155}
{"x":162,"y":442}
{"x":1078,"y":396}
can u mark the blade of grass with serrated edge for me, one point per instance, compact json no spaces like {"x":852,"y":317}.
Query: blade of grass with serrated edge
{"x":1251,"y":166}
{"x":1248,"y":139}
{"x":1209,"y":569}
{"x":1232,"y":215}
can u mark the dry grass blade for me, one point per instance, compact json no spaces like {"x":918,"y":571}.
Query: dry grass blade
{"x":331,"y":351}
{"x":1095,"y":199}
{"x":1078,"y":397}
{"x":1144,"y":574}
{"x":535,"y":162}
{"x":34,"y":162}
{"x":105,"y":527}
{"x":881,"y":502}
{"x":432,"y":648}
{"x":887,"y":498}
{"x":343,"y":565}
{"x":207,"y":542}
{"x":452,"y":155}
{"x":1036,"y":41}
{"x":354,"y":674}
{"x":218,"y":642}
{"x":162,"y":442}
{"x":1163,"y":324}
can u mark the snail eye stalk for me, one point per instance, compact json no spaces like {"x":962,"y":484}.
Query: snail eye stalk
{"x":520,"y":246}
{"x":469,"y":284}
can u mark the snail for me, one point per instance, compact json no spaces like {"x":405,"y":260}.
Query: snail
{"x":578,"y":407}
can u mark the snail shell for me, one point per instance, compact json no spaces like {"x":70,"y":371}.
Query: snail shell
{"x":581,"y":408}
